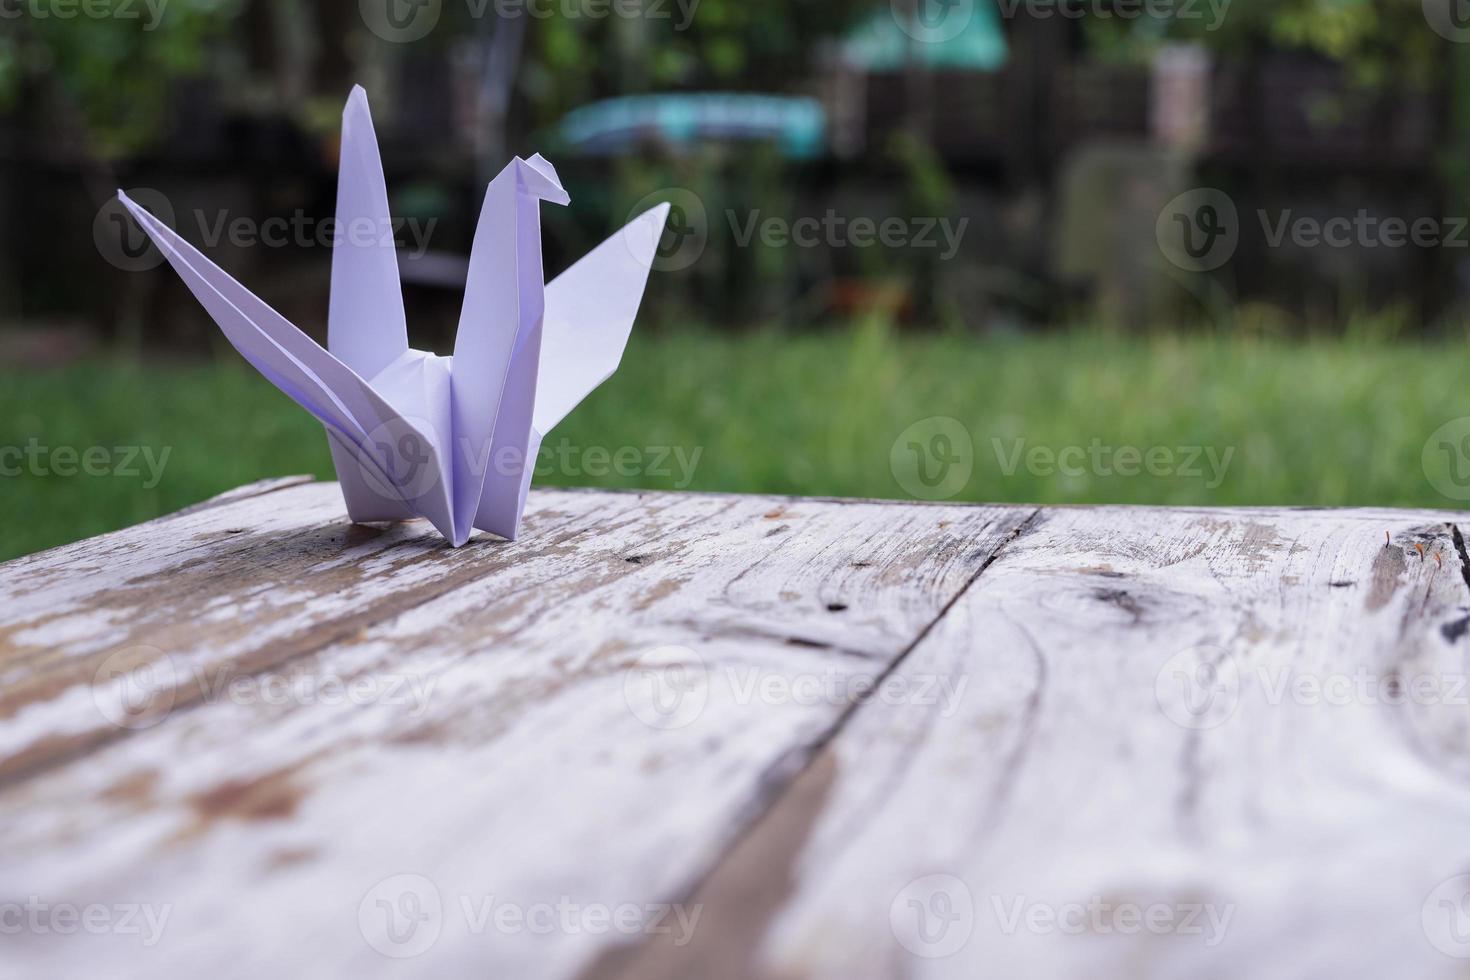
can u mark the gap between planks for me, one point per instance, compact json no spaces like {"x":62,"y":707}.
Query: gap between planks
{"x":747,"y":890}
{"x":736,"y":882}
{"x":740,"y":578}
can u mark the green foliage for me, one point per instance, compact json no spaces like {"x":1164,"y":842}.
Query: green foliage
{"x":1310,"y":423}
{"x":1382,"y":41}
{"x":119,"y":70}
{"x":116,"y":70}
{"x":725,"y":44}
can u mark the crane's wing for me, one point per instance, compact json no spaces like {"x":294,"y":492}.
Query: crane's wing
{"x":356,"y":416}
{"x":366,"y":327}
{"x":590,"y":310}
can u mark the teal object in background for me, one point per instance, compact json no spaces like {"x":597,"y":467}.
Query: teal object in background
{"x":797,"y":125}
{"x":943,"y":34}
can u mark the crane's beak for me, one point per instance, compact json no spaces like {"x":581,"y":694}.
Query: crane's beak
{"x":538,"y":177}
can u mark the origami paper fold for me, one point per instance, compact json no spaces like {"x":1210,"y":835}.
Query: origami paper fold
{"x":452,"y":439}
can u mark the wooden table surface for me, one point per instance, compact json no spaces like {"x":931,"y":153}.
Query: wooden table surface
{"x":679,"y":735}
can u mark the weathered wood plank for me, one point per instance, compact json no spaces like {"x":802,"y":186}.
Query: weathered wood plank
{"x":233,"y":588}
{"x":1294,"y":811}
{"x":506,"y":745}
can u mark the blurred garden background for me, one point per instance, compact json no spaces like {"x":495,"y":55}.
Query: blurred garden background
{"x":1200,"y":252}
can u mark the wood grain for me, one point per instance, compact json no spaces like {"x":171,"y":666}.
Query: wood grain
{"x":225,"y":590}
{"x":579,"y":723}
{"x":1293,"y":810}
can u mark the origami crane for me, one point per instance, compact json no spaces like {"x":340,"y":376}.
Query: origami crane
{"x":452,"y":439}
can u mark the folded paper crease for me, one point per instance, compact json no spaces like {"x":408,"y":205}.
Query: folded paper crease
{"x":451,"y":439}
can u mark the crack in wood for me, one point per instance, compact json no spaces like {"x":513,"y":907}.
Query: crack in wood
{"x":772,"y":831}
{"x":1459,"y":541}
{"x":1025,"y":527}
{"x":792,"y":829}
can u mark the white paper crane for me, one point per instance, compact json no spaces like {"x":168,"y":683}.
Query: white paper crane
{"x":452,"y":439}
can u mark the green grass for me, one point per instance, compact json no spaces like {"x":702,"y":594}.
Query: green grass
{"x":1309,"y":422}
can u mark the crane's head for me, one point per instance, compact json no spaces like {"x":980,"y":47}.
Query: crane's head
{"x":537,"y":177}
